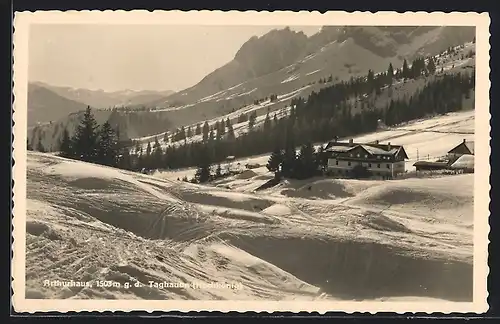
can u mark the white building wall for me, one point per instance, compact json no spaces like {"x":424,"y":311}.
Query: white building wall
{"x":381,"y":168}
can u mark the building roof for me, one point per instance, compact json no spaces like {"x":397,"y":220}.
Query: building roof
{"x":464,"y":162}
{"x":339,"y":148}
{"x":377,"y":150}
{"x":371,"y":148}
{"x":430,"y":164}
{"x":469,"y":145}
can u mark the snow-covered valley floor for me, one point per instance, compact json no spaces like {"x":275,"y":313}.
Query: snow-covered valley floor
{"x":321,"y":239}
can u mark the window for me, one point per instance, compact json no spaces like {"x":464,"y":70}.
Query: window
{"x":349,"y":163}
{"x":358,"y":155}
{"x":378,"y":165}
{"x":369,"y":165}
{"x":336,"y":162}
{"x":366,"y":156}
{"x":388,"y":166}
{"x":350,"y":154}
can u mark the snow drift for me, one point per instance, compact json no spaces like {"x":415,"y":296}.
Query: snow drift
{"x":87,"y":222}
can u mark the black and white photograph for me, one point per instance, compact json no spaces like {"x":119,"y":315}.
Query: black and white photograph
{"x":279,"y":164}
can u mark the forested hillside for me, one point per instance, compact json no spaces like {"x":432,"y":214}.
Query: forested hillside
{"x":345,"y":108}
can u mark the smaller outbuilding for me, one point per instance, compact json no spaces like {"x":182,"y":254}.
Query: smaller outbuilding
{"x":428,"y":165}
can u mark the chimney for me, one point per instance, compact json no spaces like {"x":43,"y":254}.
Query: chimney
{"x":389,"y":146}
{"x":376,"y":141}
{"x":350,"y":142}
{"x":464,"y":140}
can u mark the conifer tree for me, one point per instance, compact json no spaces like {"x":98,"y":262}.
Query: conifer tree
{"x":275,"y":161}
{"x":65,"y":146}
{"x":39,"y":146}
{"x":157,"y":154}
{"x":218,"y":171}
{"x":267,"y":124}
{"x":124,"y":160}
{"x":182,"y":133}
{"x":206,"y":130}
{"x":218,"y":133}
{"x":390,"y":74}
{"x":275,"y":121}
{"x":251,"y":120}
{"x":86,"y":137}
{"x":107,"y":151}
{"x":222,"y":127}
{"x":203,"y":172}
{"x":431,"y":65}
{"x":230,"y":132}
{"x":370,"y":80}
{"x":306,"y":164}
{"x":406,"y":70}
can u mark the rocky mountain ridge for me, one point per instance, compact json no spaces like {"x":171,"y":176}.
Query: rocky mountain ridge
{"x":283,"y":63}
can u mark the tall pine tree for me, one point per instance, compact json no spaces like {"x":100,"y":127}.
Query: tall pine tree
{"x":65,"y":145}
{"x":203,"y":172}
{"x":107,"y":152}
{"x":206,"y":130}
{"x":406,"y":70}
{"x":86,"y":138}
{"x":306,"y":162}
{"x":390,"y":74}
{"x":275,"y":161}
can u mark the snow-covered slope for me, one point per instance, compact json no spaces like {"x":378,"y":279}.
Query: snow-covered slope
{"x":92,"y":223}
{"x":446,"y":63}
{"x":426,"y":139}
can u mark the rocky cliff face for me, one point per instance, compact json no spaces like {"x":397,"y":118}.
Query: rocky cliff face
{"x":278,"y":49}
{"x":271,"y":52}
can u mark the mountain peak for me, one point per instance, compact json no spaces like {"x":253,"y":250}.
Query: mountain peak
{"x":272,"y":51}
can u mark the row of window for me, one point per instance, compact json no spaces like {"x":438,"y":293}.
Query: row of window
{"x":366,"y":156}
{"x":369,"y":164}
{"x":340,"y":171}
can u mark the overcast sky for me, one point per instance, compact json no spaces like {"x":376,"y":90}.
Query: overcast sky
{"x":138,"y":57}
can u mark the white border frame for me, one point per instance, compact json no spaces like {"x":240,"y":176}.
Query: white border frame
{"x":481,"y":21}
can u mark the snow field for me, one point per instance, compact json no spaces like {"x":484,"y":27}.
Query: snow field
{"x":108,"y":224}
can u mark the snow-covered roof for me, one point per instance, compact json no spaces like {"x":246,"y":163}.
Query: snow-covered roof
{"x":372,"y":148}
{"x":378,"y":151}
{"x":464,"y":162}
{"x":340,"y":148}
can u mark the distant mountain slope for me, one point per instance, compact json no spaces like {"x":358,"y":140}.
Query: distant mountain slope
{"x":102,"y":99}
{"x":287,"y":64}
{"x":45,"y":105}
{"x":279,"y":49}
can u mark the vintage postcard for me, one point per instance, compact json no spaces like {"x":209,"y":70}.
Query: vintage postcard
{"x":251,"y":161}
